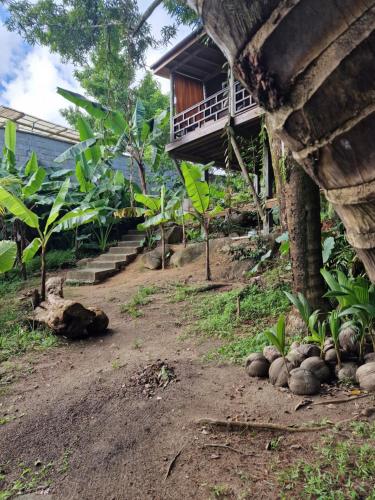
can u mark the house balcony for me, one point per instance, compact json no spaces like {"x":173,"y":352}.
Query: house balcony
{"x":197,"y":132}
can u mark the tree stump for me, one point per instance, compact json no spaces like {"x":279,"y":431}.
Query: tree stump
{"x":66,"y":317}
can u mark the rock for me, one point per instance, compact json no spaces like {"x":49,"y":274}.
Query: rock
{"x":348,"y":340}
{"x":295,"y":357}
{"x":347,"y":372}
{"x":173,"y":235}
{"x":152,"y":260}
{"x":366,"y":376}
{"x":187,"y":255}
{"x":99,"y":323}
{"x":257,"y":365}
{"x":369,"y":357}
{"x":303,"y":382}
{"x":271,"y":353}
{"x":318,"y":367}
{"x":278,"y":373}
{"x":308,"y":350}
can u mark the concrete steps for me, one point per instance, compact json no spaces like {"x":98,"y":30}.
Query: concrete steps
{"x":108,"y":264}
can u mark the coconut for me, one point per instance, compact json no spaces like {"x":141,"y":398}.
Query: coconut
{"x":330,"y":356}
{"x":303,"y":382}
{"x":366,"y":376}
{"x":348,"y":340}
{"x":369,"y":357}
{"x":257,"y":365}
{"x":328,"y":344}
{"x":318,"y":367}
{"x":271,"y":353}
{"x":278,"y":372}
{"x":347,"y":372}
{"x":295,"y":357}
{"x":308,"y":350}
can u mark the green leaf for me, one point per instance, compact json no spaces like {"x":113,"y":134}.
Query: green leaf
{"x":32,"y":165}
{"x":73,"y":152}
{"x":85,"y":132}
{"x":112,"y":119}
{"x":138,"y":120}
{"x":35,"y":182}
{"x":151,"y":202}
{"x":31,"y":250}
{"x":328,"y":246}
{"x":16,"y":207}
{"x":85,"y":185}
{"x":197,"y":189}
{"x":58,"y":203}
{"x":75,"y":218}
{"x":215,"y":211}
{"x":119,"y":179}
{"x":10,"y":146}
{"x":8,"y":253}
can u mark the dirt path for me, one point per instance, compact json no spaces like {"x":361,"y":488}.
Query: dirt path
{"x":105,"y":438}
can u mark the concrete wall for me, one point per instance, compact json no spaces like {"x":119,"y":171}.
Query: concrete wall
{"x":48,"y":149}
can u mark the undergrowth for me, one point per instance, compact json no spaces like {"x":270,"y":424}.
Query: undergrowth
{"x":16,"y":335}
{"x":215,"y":315}
{"x":141,"y":298}
{"x":342,"y":469}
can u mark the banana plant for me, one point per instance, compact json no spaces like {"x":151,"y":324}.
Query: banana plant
{"x":8,"y":254}
{"x":199,"y":193}
{"x":157,"y":213}
{"x":135,"y":136}
{"x":55,"y":223}
{"x":277,"y":337}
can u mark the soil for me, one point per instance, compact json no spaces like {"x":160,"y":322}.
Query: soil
{"x":116,"y":415}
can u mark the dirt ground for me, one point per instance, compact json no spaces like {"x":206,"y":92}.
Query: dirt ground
{"x":79,"y":407}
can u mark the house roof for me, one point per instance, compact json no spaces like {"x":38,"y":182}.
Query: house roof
{"x":37,"y":126}
{"x":193,"y":57}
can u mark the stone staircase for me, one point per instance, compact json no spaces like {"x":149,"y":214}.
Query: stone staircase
{"x":110,"y":263}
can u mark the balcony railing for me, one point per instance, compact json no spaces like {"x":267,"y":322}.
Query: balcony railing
{"x":213,"y":108}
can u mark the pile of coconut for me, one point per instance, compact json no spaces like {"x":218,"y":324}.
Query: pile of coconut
{"x":305,"y":367}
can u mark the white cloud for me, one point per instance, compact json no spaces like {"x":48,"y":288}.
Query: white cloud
{"x":11,"y":49}
{"x":33,"y":87}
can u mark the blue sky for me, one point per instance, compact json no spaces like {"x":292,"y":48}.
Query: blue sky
{"x":29,"y":75}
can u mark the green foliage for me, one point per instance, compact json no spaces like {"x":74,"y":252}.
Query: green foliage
{"x":141,"y":298}
{"x":276,"y":336}
{"x":215,"y":315}
{"x":8,"y":252}
{"x":335,"y":328}
{"x":300,"y":303}
{"x":17,"y":337}
{"x":341,"y":469}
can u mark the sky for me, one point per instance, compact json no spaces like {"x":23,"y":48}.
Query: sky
{"x":29,"y":75}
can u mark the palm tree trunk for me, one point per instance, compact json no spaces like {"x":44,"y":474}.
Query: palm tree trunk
{"x":304,"y":227}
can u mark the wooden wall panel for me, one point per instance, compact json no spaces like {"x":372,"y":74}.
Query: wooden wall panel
{"x":187,"y":92}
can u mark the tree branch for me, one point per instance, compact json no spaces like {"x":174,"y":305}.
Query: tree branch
{"x":147,"y":13}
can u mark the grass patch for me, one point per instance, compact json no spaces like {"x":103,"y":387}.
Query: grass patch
{"x":342,"y":469}
{"x":31,"y":477}
{"x":141,"y":298}
{"x":16,"y":336}
{"x":216,"y":316}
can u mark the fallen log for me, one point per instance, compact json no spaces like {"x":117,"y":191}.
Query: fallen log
{"x":67,"y":317}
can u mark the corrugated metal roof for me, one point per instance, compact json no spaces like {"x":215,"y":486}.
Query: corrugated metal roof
{"x":37,"y":126}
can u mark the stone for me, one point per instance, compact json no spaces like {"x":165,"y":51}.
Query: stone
{"x":366,"y":376}
{"x":347,"y":372}
{"x":278,"y":372}
{"x":257,"y":365}
{"x":173,"y":235}
{"x":152,"y":260}
{"x":318,"y":367}
{"x":187,"y":255}
{"x":303,"y":382}
{"x":271,"y":353}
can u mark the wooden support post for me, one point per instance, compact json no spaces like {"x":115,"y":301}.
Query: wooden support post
{"x":171,"y":106}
